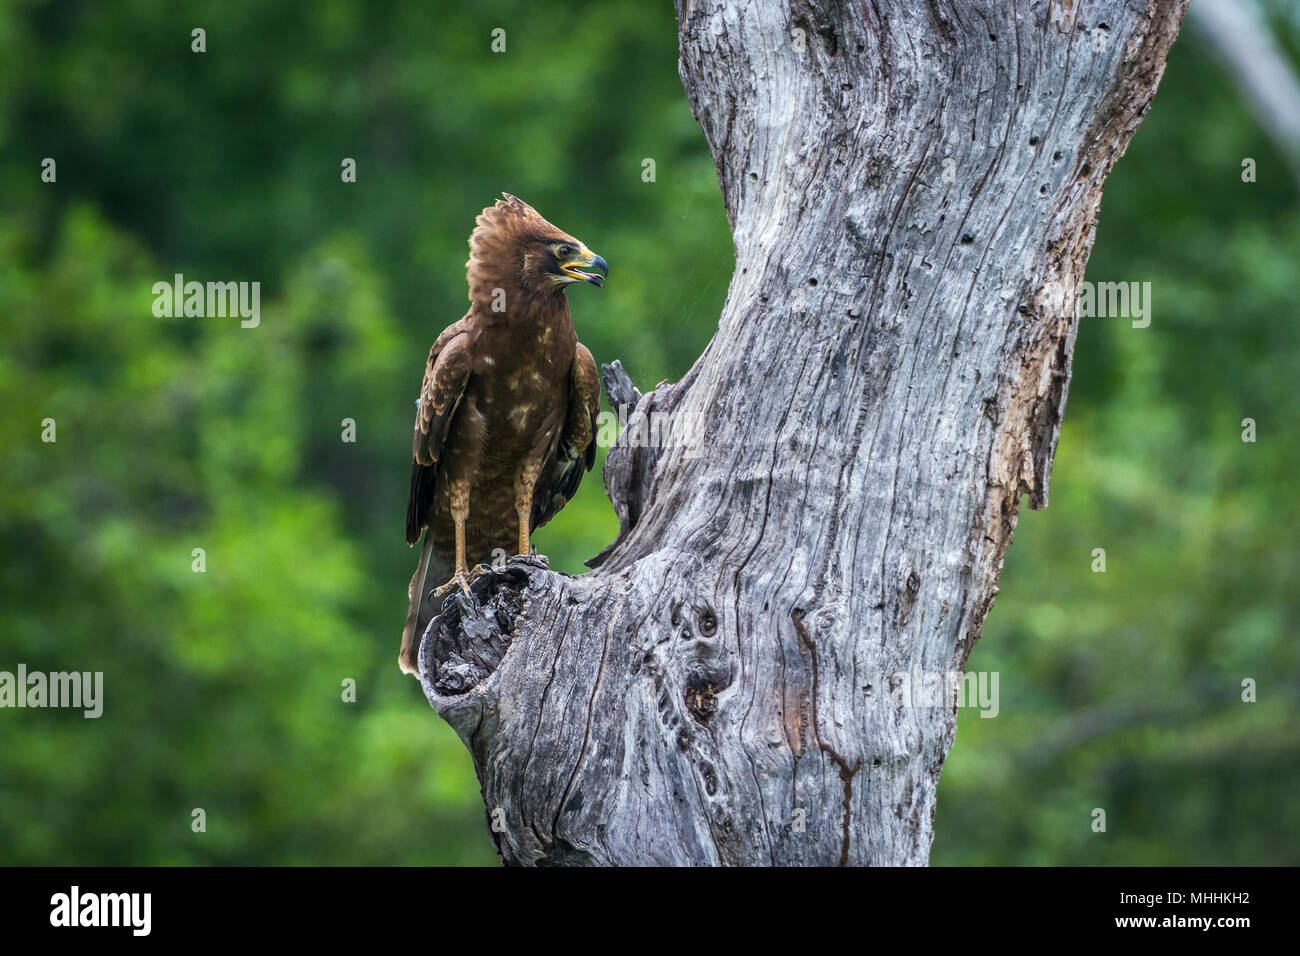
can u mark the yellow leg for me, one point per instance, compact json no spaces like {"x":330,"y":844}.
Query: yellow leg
{"x":459,"y":515}
{"x":525,"y":481}
{"x":524,"y":509}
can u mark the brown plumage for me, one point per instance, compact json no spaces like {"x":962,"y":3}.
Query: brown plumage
{"x":505,"y":426}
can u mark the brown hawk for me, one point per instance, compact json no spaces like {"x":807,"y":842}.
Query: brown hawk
{"x":505,"y":426}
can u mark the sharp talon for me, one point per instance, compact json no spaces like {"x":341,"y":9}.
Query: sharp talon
{"x":462,"y":580}
{"x":442,"y":590}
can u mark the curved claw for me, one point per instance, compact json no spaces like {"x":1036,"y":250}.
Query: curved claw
{"x":461,"y":579}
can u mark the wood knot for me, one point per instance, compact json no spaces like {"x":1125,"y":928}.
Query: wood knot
{"x":702,"y":696}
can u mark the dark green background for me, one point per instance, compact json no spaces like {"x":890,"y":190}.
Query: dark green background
{"x":223,"y":690}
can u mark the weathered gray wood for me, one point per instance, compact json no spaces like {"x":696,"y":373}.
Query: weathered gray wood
{"x":843,"y":465}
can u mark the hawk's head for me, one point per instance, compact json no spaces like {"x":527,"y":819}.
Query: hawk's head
{"x":513,"y":247}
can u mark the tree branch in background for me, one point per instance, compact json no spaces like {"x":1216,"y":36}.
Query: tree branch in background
{"x":1240,"y":38}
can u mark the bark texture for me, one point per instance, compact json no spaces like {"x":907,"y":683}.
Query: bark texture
{"x":827,"y":495}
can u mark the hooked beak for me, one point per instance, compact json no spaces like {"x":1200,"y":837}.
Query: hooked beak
{"x":586,"y":266}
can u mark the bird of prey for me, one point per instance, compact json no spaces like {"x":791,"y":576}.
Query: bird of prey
{"x":505,"y":426}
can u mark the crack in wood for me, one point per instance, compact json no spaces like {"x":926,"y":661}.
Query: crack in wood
{"x":847,"y":773}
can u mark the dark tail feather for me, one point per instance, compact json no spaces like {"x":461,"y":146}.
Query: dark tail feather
{"x":423,"y":481}
{"x":430,"y":572}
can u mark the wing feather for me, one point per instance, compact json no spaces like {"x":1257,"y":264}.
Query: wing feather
{"x":446,"y":374}
{"x":575,"y":454}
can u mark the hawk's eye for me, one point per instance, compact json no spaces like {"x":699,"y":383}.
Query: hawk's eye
{"x":564,"y":251}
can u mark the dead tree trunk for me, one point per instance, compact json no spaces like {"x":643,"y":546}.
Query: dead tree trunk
{"x":818,"y":518}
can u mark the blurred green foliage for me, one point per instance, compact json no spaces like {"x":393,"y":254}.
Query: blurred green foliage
{"x":224,"y":689}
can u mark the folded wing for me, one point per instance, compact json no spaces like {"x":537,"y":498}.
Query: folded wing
{"x":576,"y":452}
{"x":445,"y":376}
